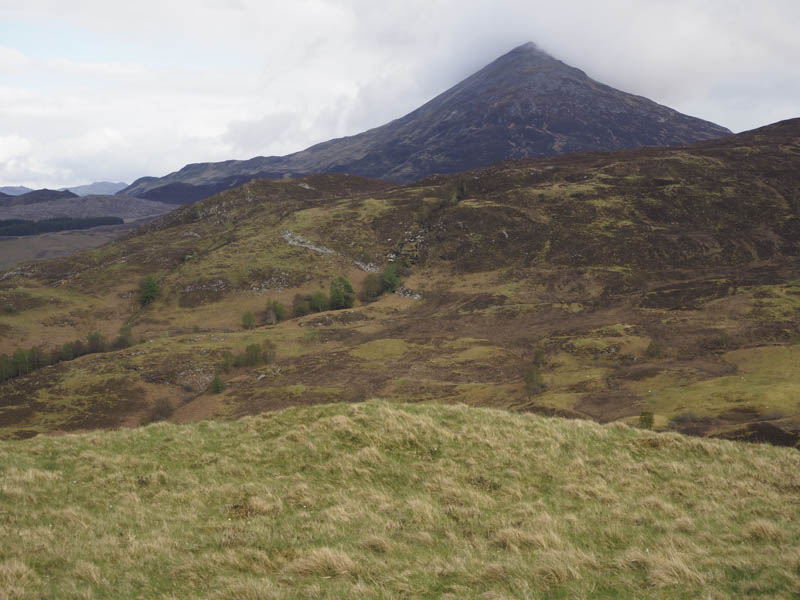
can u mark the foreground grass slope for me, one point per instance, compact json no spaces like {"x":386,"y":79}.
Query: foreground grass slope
{"x":379,"y":500}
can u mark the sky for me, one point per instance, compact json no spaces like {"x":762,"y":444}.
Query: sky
{"x":95,"y":90}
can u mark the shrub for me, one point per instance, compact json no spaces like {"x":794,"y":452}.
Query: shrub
{"x":268,"y":351}
{"x":248,"y":321}
{"x":38,"y":358}
{"x":21,"y":359}
{"x":342,"y":294}
{"x":124,"y":339}
{"x":276,"y":312}
{"x":216,"y":384}
{"x":67,"y":351}
{"x":371,"y":288}
{"x":390,"y":278}
{"x":318,"y":301}
{"x":96,"y":343}
{"x":249,"y":358}
{"x":533,"y":380}
{"x":78,"y":348}
{"x":148,"y":290}
{"x":539,"y":357}
{"x":161,"y":410}
{"x":7,"y":370}
{"x":646,"y":420}
{"x":227,"y":361}
{"x":301,"y":305}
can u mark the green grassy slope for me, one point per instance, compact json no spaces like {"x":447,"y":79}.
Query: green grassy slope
{"x":652,"y":280}
{"x":384,"y":500}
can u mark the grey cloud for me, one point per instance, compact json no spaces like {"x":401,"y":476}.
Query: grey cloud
{"x":217,"y":79}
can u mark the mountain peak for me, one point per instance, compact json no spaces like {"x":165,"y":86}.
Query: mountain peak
{"x":526,"y":103}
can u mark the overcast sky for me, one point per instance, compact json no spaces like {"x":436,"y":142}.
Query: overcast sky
{"x":106,"y":90}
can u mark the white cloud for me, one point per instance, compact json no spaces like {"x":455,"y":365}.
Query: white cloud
{"x":114,"y":91}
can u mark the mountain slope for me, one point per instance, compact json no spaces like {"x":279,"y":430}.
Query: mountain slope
{"x":34,"y":197}
{"x":98,"y":188}
{"x":663,"y":280}
{"x":14,"y":190}
{"x":524,"y":104}
{"x":127,"y":207}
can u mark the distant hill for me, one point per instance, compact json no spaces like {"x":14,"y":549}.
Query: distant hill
{"x":97,"y":188}
{"x":126,"y":207}
{"x":524,"y":104}
{"x":14,"y":190}
{"x":35,"y":197}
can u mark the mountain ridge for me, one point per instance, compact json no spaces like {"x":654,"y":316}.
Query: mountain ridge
{"x":524,"y":104}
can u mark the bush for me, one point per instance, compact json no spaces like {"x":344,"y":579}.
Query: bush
{"x":124,"y":339}
{"x":646,"y":420}
{"x":539,"y":357}
{"x":533,"y":380}
{"x":342,"y":294}
{"x":276,"y":312}
{"x":148,"y":290}
{"x":390,"y":278}
{"x":96,"y":343}
{"x":216,"y":384}
{"x":7,"y":370}
{"x":227,"y":361}
{"x":161,"y":410}
{"x":21,"y":361}
{"x":249,"y":358}
{"x":248,"y":321}
{"x":301,"y":305}
{"x":268,"y":351}
{"x":318,"y":301}
{"x":371,"y":288}
{"x":78,"y":348}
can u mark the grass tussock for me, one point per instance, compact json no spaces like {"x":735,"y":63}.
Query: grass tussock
{"x":378,"y":500}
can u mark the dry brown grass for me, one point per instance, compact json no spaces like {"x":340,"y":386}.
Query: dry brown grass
{"x":396,"y":501}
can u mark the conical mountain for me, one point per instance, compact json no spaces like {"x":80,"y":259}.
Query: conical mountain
{"x":524,"y":104}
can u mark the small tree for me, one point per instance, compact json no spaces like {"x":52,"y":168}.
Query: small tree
{"x":148,"y":290}
{"x":38,"y":358}
{"x":248,"y":321}
{"x":124,"y":339}
{"x":533,"y":380}
{"x":390,"y":278}
{"x":96,"y":342}
{"x":342,"y":294}
{"x":268,"y":351}
{"x":252,"y":355}
{"x":300,"y":305}
{"x":216,"y":384}
{"x":78,"y":348}
{"x":318,"y":301}
{"x":67,"y":351}
{"x":646,"y":420}
{"x":276,"y":312}
{"x":371,"y":288}
{"x":21,"y":361}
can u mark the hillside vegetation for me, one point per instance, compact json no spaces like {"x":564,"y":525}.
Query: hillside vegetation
{"x":382,"y":500}
{"x":605,"y":286}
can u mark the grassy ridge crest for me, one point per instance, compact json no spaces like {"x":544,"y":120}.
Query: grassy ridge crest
{"x":384,"y":500}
